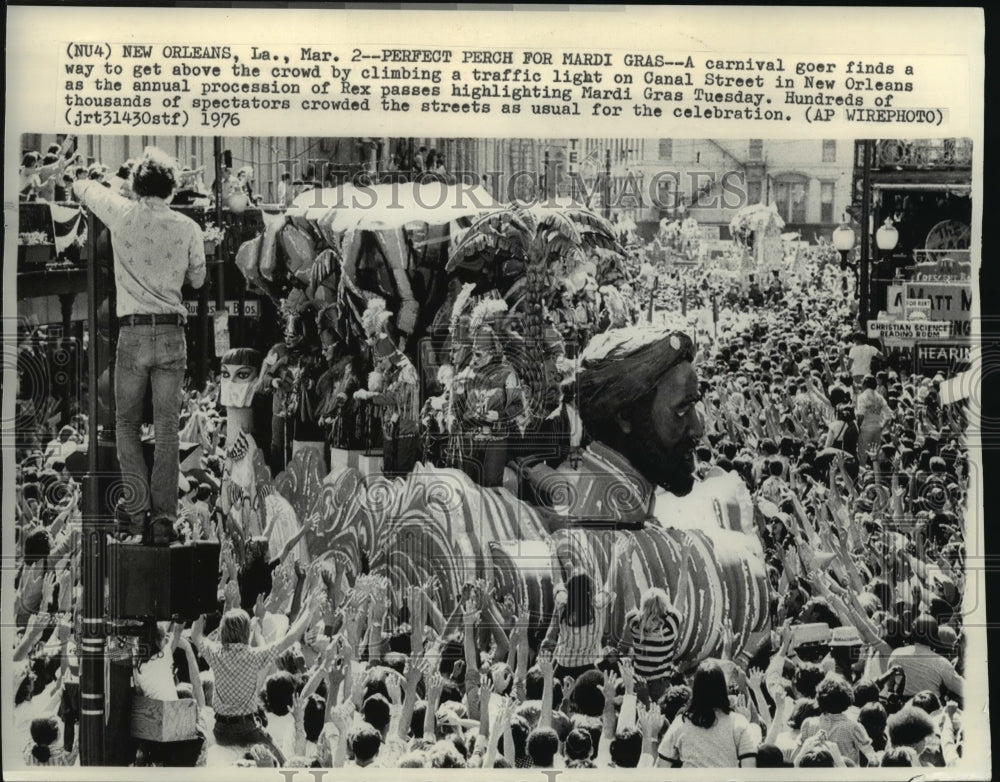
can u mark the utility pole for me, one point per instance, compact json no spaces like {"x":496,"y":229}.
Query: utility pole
{"x":93,"y":637}
{"x":864,"y":294}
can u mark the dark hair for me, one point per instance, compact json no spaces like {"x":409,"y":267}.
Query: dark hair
{"x":417,"y":720}
{"x":926,"y":701}
{"x":873,"y":719}
{"x":314,"y":717}
{"x":708,"y":693}
{"x":37,"y":547}
{"x":579,"y":745}
{"x":579,"y":610}
{"x":154,"y":175}
{"x":897,"y":757}
{"x":909,"y":726}
{"x":542,"y":746}
{"x":807,"y":678}
{"x":30,"y":159}
{"x":399,"y":640}
{"x":816,"y":758}
{"x":674,"y":699}
{"x":535,"y":685}
{"x":279,"y":690}
{"x":804,"y":709}
{"x":834,"y":694}
{"x":770,"y":756}
{"x":865,"y":691}
{"x":376,"y":713}
{"x":519,"y":732}
{"x":44,"y":731}
{"x":587,"y":694}
{"x":626,"y":748}
{"x":365,"y":742}
{"x":869,"y":383}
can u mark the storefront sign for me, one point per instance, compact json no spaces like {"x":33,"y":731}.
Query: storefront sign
{"x":948,"y":358}
{"x":909,"y":330}
{"x":949,"y":301}
{"x":251,"y":308}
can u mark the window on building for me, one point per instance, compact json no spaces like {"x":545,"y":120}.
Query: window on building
{"x":829,"y":150}
{"x":790,"y":193}
{"x":754,"y":192}
{"x":666,"y":148}
{"x":826,"y":202}
{"x":756,"y":149}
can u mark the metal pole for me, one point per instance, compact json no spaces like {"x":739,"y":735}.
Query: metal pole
{"x":864,"y":295}
{"x":92,"y":555}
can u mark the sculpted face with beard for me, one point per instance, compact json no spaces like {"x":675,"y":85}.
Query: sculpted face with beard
{"x":659,"y":432}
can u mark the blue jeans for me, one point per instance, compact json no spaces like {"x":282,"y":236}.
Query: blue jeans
{"x":157,"y":355}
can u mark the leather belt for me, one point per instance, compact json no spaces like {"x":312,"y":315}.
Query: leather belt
{"x":152,"y":320}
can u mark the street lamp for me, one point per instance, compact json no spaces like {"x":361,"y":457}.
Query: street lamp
{"x":843,"y":242}
{"x":886,"y":239}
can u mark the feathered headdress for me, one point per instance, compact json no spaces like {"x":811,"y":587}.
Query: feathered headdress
{"x":375,"y":318}
{"x":484,"y":312}
{"x":460,"y":303}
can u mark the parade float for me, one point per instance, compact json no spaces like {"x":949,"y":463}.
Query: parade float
{"x":757,"y":239}
{"x":490,"y":310}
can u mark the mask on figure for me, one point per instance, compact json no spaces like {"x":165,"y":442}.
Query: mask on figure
{"x":240,"y":373}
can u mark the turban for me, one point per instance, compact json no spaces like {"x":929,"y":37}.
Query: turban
{"x":620,"y":367}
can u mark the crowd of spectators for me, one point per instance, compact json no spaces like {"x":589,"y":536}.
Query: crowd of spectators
{"x":860,"y":481}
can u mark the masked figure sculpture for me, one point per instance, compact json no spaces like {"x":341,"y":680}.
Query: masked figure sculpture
{"x":488,"y":400}
{"x":335,"y":409}
{"x":394,"y":388}
{"x":239,"y":381}
{"x":288,"y":374}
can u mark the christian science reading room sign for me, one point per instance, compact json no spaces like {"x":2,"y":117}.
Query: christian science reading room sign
{"x":909,"y":331}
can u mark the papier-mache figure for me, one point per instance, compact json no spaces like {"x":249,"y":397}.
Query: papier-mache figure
{"x":335,"y":409}
{"x":395,"y":388}
{"x":488,"y":398}
{"x":239,"y":381}
{"x":288,"y":372}
{"x":636,"y":394}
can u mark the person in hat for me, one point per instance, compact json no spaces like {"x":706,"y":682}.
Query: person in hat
{"x":845,"y":652}
{"x":923,"y":667}
{"x":394,"y":388}
{"x":157,"y":250}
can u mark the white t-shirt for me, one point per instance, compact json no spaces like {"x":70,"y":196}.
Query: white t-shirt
{"x":155,"y":678}
{"x":720,"y":746}
{"x":861,"y":359}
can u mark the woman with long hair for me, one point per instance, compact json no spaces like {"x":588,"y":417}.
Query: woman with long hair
{"x":577,"y":625}
{"x":709,"y":734}
{"x":652,"y":631}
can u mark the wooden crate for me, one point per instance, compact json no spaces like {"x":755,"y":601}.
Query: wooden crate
{"x":155,"y":720}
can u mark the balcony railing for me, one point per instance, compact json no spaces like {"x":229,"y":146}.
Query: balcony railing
{"x":923,"y":154}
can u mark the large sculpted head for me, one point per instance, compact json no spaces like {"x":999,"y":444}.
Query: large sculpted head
{"x":638,"y":394}
{"x":239,"y":376}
